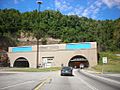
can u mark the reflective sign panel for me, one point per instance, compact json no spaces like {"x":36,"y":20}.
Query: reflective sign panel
{"x":78,"y":46}
{"x":22,"y":49}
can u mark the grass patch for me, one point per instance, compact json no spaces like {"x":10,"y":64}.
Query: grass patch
{"x":110,"y":55}
{"x":113,"y":64}
{"x":34,"y":69}
{"x":108,"y":68}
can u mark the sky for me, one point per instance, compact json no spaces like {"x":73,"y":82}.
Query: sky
{"x":95,"y":9}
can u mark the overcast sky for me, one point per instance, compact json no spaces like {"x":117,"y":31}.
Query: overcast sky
{"x":96,"y":9}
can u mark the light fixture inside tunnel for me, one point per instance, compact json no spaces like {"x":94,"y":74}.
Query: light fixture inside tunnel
{"x":79,"y":59}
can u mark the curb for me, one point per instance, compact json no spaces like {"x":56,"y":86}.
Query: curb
{"x":102,"y":79}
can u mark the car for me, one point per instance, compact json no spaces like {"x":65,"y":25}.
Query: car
{"x":81,"y":66}
{"x":66,"y":71}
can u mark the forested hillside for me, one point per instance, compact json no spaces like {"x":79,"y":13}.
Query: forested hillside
{"x":70,"y":29}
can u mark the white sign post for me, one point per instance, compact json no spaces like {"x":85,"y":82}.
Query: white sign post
{"x":105,"y":61}
{"x":44,"y":62}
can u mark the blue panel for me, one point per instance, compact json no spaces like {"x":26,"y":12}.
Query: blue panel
{"x":22,"y":49}
{"x":78,"y":46}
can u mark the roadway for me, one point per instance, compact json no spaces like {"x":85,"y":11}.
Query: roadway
{"x":22,"y":80}
{"x":79,"y":81}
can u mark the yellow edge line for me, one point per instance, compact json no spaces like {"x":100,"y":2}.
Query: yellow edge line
{"x":41,"y":84}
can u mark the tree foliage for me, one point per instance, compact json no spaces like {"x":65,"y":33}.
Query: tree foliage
{"x":70,"y":29}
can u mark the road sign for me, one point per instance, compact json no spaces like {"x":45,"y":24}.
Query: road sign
{"x":104,"y":60}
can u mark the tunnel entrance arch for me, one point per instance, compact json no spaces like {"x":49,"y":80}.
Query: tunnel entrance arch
{"x":77,"y":60}
{"x":21,"y":62}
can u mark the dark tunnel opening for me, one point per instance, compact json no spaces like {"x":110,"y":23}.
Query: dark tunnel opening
{"x":21,"y":62}
{"x":77,"y":61}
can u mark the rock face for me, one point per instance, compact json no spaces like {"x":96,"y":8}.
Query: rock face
{"x":27,"y":39}
{"x":30,"y":41}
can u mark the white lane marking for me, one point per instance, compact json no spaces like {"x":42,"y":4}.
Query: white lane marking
{"x":74,"y":70}
{"x":90,"y":86}
{"x":17,"y":84}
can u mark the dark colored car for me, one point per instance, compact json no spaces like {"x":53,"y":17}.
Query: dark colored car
{"x":66,"y":71}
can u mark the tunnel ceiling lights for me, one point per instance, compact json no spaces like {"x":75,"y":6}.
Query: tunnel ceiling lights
{"x":79,"y":59}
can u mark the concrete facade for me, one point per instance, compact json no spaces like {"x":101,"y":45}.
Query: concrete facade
{"x":54,"y":55}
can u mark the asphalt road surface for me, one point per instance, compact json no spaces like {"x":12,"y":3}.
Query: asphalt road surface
{"x":111,"y":76}
{"x":22,"y":81}
{"x":79,"y":81}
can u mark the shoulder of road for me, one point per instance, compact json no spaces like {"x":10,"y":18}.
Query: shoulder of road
{"x":100,"y":73}
{"x":112,"y":78}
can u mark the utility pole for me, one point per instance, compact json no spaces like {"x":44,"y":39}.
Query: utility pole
{"x":39,"y":3}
